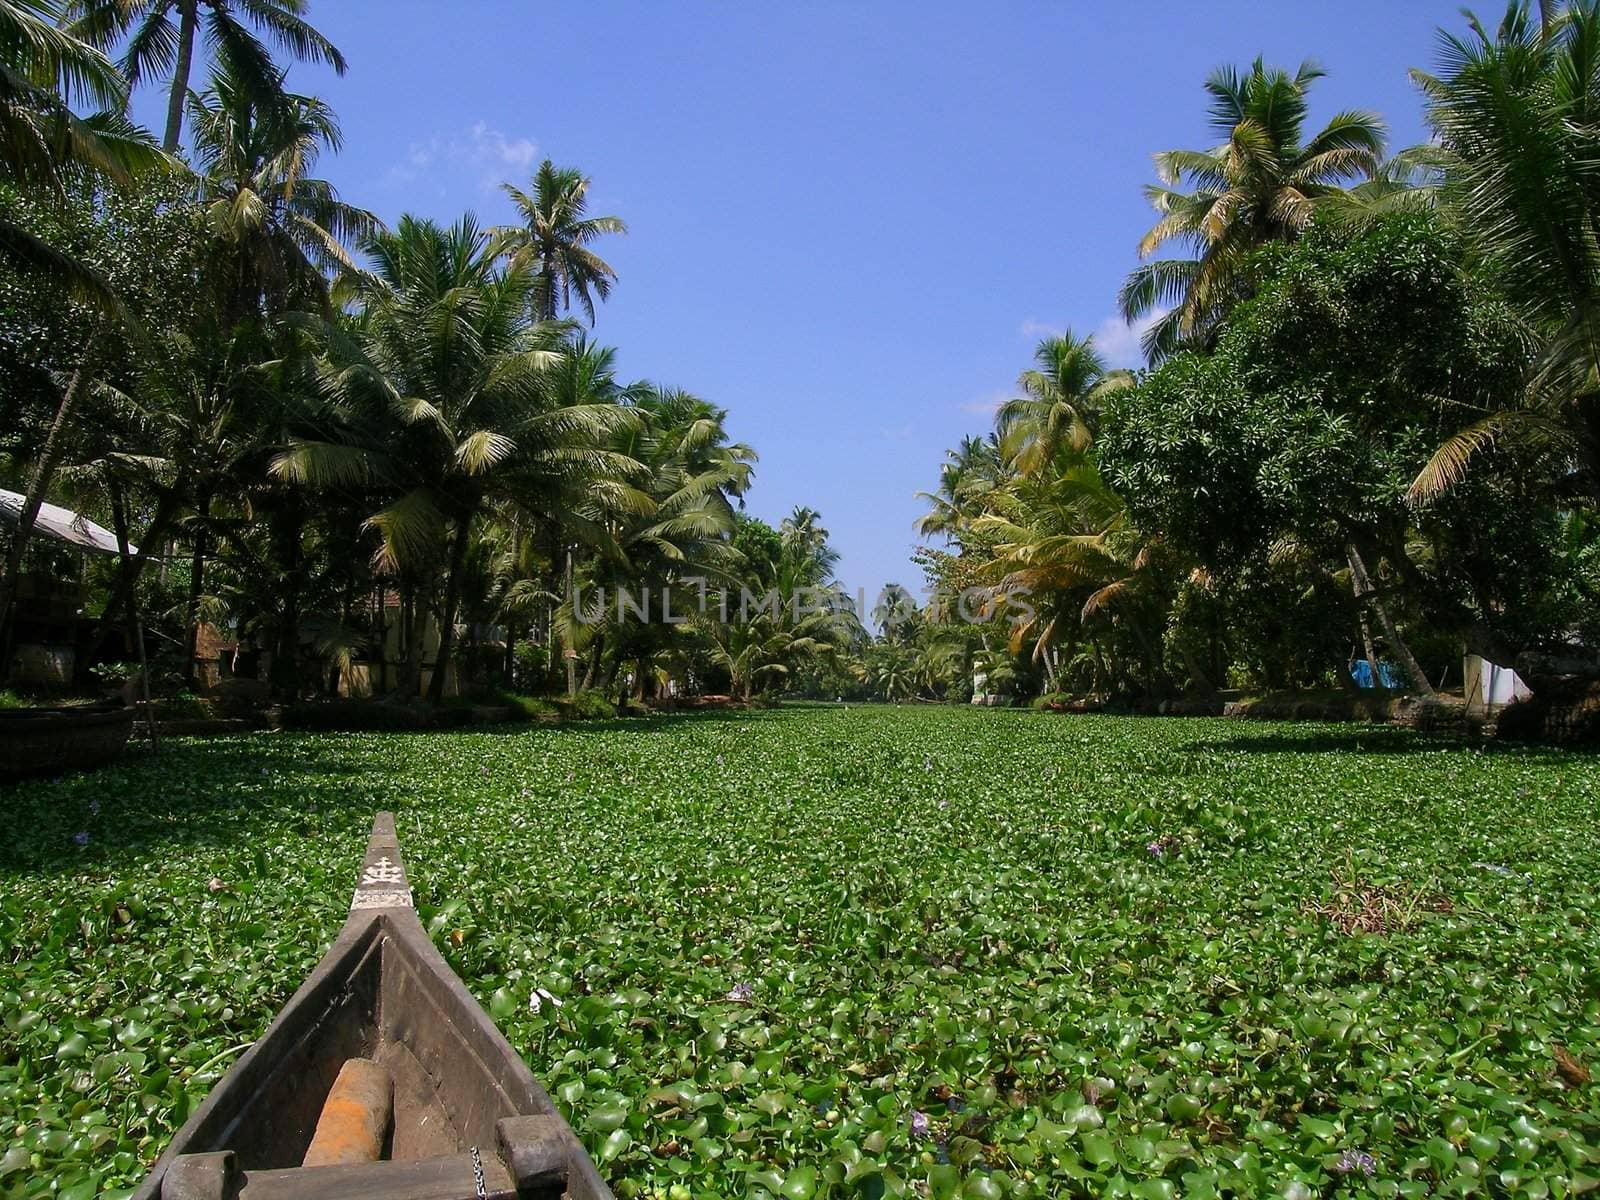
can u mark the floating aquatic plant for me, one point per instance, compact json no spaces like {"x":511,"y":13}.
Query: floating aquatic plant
{"x":795,"y":974}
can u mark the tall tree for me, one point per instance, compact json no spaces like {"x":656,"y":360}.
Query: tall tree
{"x":671,"y":530}
{"x":447,"y":396}
{"x":43,"y":143}
{"x":800,"y":612}
{"x":279,"y":229}
{"x":896,"y":614}
{"x":44,"y":72}
{"x":1517,"y":114}
{"x":967,"y":476}
{"x":554,"y":238}
{"x":1060,"y":402}
{"x":1322,"y":397}
{"x":806,"y":545}
{"x":161,"y":36}
{"x":1260,"y":185}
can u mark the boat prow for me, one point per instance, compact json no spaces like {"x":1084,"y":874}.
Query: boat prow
{"x":465,"y":1118}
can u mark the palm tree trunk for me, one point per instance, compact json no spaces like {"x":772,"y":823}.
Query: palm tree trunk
{"x":288,"y":528}
{"x":545,"y":292}
{"x":125,"y":588}
{"x":1197,"y":675}
{"x":594,"y":661}
{"x":413,"y":627}
{"x":187,"y":27}
{"x":509,"y":666}
{"x":1369,"y":649}
{"x":43,"y":472}
{"x":380,"y":641}
{"x":119,"y":521}
{"x":1341,"y":669}
{"x":452,"y":601}
{"x":1159,"y":681}
{"x":567,"y":651}
{"x":1368,"y":595}
{"x":197,"y":570}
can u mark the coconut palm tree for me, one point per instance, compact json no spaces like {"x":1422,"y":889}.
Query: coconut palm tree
{"x":968,"y":474}
{"x":769,"y":643}
{"x":809,"y":556}
{"x":937,"y":662}
{"x":194,"y":402}
{"x":1517,"y":115}
{"x":1261,"y":184}
{"x":157,"y":44}
{"x":896,"y":676}
{"x":669,"y":531}
{"x":449,"y":400}
{"x":279,"y":228}
{"x":896,"y":614}
{"x":554,"y":237}
{"x":1060,"y":402}
{"x":688,"y":440}
{"x":796,"y":612}
{"x":755,"y":651}
{"x":696,"y":475}
{"x":45,"y":72}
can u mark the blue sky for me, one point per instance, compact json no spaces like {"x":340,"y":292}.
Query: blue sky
{"x":850,"y":222}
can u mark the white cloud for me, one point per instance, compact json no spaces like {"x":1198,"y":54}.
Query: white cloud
{"x":493,"y":155}
{"x":1118,"y":341}
{"x":492,"y":147}
{"x":986,"y":405}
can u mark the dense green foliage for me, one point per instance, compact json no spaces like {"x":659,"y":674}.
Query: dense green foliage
{"x":1260,"y":185}
{"x":372,"y":453}
{"x":1327,"y":393}
{"x":1369,"y":426}
{"x":1086,"y":951}
{"x":1320,"y":402}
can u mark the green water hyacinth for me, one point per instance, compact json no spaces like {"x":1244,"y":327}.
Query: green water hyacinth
{"x":810,"y":952}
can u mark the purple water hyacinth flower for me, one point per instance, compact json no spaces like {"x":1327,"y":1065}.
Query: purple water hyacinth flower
{"x":1353,"y":1161}
{"x":919,"y":1124}
{"x":741,"y":993}
{"x":81,"y":838}
{"x":1157,"y":849}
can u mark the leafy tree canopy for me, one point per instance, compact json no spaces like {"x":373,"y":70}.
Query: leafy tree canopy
{"x":1326,"y":393}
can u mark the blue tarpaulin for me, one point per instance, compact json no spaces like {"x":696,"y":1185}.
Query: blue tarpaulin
{"x":1361,"y":671}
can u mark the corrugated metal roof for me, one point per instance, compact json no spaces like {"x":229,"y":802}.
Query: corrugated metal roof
{"x":62,"y":524}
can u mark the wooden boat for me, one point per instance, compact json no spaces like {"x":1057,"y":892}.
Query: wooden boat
{"x":468,"y":1120}
{"x":39,"y":741}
